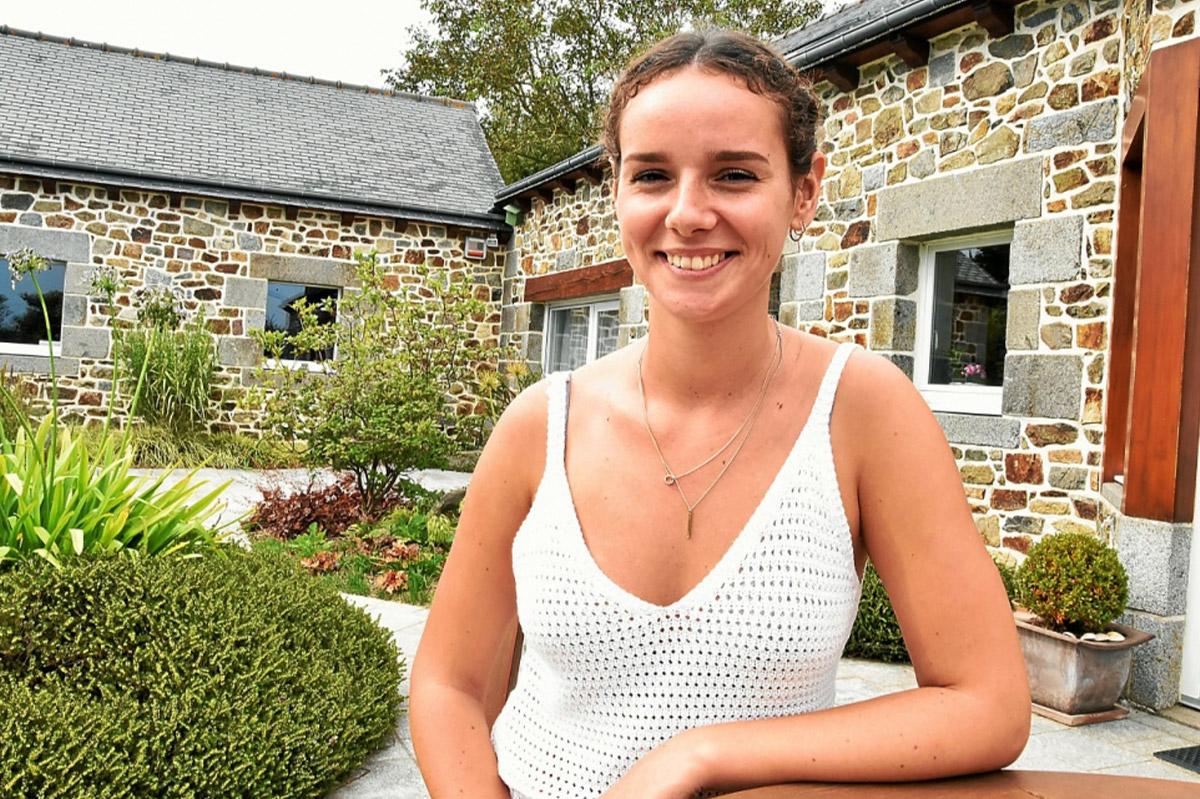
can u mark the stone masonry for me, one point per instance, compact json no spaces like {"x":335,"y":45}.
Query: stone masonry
{"x":220,"y":254}
{"x":1016,"y":134}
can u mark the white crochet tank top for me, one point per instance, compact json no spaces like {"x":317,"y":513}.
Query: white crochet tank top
{"x":606,"y":676}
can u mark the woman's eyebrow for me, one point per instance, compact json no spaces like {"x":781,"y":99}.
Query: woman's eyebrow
{"x":722,"y":155}
{"x":740,"y":155}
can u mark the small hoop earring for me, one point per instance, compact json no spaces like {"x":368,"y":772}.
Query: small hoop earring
{"x":795,"y":235}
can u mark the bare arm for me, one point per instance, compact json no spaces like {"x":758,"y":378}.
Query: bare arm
{"x":461,"y":667}
{"x":970,"y":712}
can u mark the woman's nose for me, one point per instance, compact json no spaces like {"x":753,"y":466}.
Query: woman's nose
{"x":691,"y":208}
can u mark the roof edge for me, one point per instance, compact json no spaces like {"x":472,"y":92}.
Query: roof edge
{"x":104,"y":47}
{"x":580,"y":159}
{"x":230,"y":191}
{"x":841,"y":42}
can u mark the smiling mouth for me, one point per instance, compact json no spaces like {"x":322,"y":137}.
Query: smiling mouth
{"x":697,"y":263}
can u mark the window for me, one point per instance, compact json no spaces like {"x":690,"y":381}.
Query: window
{"x":962,"y":324}
{"x":22,"y":328}
{"x":283,"y":316}
{"x":579,"y":333}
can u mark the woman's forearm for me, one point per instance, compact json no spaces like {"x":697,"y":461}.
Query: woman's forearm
{"x":453,"y":746}
{"x":923,"y":733}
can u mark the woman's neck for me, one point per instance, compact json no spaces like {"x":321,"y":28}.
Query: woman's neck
{"x":698,"y":365}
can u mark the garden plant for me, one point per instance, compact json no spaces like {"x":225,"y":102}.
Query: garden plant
{"x":177,"y":677}
{"x":1073,"y":582}
{"x":59,"y":501}
{"x":381,"y":406}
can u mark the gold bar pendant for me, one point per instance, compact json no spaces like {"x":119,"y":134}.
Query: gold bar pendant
{"x":689,"y":530}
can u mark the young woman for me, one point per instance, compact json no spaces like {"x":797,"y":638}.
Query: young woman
{"x":682,"y":525}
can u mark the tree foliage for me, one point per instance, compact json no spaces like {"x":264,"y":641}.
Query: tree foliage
{"x":540,"y":70}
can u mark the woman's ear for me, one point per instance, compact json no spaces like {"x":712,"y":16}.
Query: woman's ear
{"x":808,"y":192}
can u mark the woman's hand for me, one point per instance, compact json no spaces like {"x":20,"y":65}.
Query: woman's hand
{"x":671,"y":770}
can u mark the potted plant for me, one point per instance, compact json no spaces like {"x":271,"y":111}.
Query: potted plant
{"x":1072,"y":587}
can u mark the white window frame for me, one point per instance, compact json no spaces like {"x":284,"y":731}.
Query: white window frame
{"x":980,"y":400}
{"x":312,"y":366}
{"x":595,"y":305}
{"x":43,"y":347}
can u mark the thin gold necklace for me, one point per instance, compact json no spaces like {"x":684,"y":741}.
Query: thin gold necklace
{"x":672,"y":478}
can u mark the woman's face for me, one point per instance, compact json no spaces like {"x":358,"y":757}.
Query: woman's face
{"x":704,"y":195}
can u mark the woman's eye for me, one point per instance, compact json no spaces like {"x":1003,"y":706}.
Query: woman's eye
{"x":738,"y":176}
{"x":649,"y":176}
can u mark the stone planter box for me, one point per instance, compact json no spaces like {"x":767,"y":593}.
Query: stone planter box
{"x":1072,"y":681}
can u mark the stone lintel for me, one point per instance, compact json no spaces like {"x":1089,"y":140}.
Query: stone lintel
{"x":980,"y":431}
{"x":302,"y":269}
{"x":57,"y":245}
{"x":961,"y":202}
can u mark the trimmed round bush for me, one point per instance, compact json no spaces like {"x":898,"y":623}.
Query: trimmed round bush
{"x":876,"y":633}
{"x":232,"y":675}
{"x":1073,"y":581}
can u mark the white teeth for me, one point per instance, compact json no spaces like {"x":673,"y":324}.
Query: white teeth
{"x":695,"y":263}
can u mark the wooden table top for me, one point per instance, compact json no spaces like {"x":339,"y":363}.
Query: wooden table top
{"x":995,"y":785}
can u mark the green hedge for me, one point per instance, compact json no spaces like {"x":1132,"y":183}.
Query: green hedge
{"x":876,"y":633}
{"x":165,"y":677}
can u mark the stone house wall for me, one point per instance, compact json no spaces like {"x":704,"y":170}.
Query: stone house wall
{"x":1016,"y":134}
{"x":220,"y":254}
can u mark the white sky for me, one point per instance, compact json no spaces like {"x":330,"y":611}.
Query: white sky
{"x":347,"y":40}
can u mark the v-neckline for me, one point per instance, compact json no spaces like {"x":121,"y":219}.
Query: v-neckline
{"x":734,"y":553}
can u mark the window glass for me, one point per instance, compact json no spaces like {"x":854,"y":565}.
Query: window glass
{"x":21,"y":319}
{"x":569,"y":338}
{"x":607,"y":326}
{"x":282,"y":315}
{"x":970,"y":312}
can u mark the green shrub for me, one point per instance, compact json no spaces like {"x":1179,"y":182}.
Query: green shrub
{"x":876,"y":633}
{"x":176,"y":677}
{"x":1073,"y":581}
{"x":379,"y":408}
{"x":1008,"y":576}
{"x":156,"y":447}
{"x":178,"y":360}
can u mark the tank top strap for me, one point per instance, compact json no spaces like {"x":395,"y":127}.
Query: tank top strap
{"x":558,"y":384}
{"x":829,"y":383}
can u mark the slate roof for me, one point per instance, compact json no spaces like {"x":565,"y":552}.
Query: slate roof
{"x":73,"y":109}
{"x":851,"y":27}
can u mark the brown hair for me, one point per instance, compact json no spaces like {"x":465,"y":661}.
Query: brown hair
{"x":759,"y":66}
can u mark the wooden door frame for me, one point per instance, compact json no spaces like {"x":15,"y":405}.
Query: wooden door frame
{"x":1152,"y":410}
